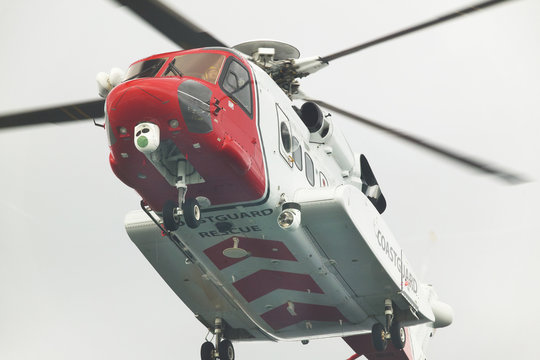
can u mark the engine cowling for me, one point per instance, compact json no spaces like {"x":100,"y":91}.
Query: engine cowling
{"x":322,"y":131}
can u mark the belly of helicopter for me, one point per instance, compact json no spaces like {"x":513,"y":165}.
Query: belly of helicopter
{"x":268,"y":283}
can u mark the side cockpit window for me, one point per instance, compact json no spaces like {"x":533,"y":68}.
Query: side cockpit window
{"x":237,"y":84}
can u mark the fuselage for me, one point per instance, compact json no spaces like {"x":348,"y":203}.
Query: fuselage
{"x":249,"y":152}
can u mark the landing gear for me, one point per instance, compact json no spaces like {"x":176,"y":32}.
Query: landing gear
{"x":189,"y":209}
{"x":398,"y":335}
{"x":207,"y":351}
{"x":393,"y":331}
{"x":192,"y":212}
{"x":378,"y":336}
{"x":171,"y":218}
{"x":225,"y":349}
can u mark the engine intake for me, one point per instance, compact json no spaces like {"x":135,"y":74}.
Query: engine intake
{"x":312,"y":116}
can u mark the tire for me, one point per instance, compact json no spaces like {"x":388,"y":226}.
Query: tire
{"x":398,"y":335}
{"x":170,"y":220}
{"x":207,"y":351}
{"x":192,"y":213}
{"x":378,"y":337}
{"x":226,"y":350}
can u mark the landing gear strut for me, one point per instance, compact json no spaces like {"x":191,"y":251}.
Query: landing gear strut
{"x":393,"y":331}
{"x":225,"y":349}
{"x":189,"y":208}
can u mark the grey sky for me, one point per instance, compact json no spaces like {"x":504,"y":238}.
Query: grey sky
{"x":72,"y":285}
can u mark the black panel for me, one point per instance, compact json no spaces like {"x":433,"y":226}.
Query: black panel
{"x":194,"y":99}
{"x":366,"y":173}
{"x":368,"y":181}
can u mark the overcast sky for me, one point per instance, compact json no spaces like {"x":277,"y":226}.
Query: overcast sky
{"x":72,"y":285}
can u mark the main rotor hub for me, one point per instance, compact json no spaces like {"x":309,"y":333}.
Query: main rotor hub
{"x":282,"y":51}
{"x":277,"y":59}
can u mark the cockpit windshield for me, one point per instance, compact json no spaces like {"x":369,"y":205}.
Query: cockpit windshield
{"x":205,"y":66}
{"x":148,"y":68}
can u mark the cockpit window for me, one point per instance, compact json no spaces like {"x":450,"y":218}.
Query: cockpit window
{"x":205,"y":66}
{"x":237,"y":84}
{"x":148,"y":68}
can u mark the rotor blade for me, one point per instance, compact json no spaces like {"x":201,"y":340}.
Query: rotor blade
{"x":449,"y":154}
{"x":412,"y":29}
{"x":81,"y":111}
{"x":171,"y":24}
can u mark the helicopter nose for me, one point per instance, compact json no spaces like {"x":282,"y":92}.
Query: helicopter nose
{"x":144,"y":100}
{"x":157,"y":101}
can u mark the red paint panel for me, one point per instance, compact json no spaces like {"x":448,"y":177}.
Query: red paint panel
{"x":265,"y":281}
{"x":266,"y":249}
{"x":363,"y":345}
{"x":280,"y":317}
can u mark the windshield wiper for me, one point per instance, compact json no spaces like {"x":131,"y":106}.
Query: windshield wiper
{"x":173,"y":69}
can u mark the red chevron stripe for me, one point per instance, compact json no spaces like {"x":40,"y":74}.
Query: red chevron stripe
{"x":267,"y":249}
{"x":265,"y":281}
{"x":281,"y":317}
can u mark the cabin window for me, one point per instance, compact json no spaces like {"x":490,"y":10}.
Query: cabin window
{"x":148,"y":68}
{"x":285,"y":138}
{"x":204,"y":66}
{"x":237,"y":84}
{"x":310,"y":170}
{"x":297,"y":153}
{"x":322,"y":179}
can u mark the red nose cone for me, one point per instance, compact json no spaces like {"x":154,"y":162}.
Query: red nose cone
{"x":143,"y":100}
{"x":151,"y":100}
{"x":217,"y":144}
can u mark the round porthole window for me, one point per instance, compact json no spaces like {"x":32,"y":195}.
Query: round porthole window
{"x":285,"y":137}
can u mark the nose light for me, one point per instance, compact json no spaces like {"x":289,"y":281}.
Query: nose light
{"x":174,"y":123}
{"x":286,"y":219}
{"x":290,"y":216}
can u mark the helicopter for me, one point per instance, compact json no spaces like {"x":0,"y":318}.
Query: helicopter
{"x":239,"y":250}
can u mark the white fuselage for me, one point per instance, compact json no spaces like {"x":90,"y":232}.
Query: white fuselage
{"x":328,"y":277}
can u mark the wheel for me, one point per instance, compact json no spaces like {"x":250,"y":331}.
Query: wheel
{"x":378,"y":336}
{"x":192,"y":213}
{"x":398,"y":335}
{"x":170,"y":219}
{"x":207,"y":351}
{"x":226,"y":350}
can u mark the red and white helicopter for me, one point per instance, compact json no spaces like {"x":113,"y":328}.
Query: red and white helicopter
{"x":264,"y":222}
